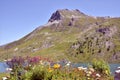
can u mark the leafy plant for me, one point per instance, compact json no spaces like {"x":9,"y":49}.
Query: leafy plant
{"x":21,"y":64}
{"x":101,"y":66}
{"x":38,"y":73}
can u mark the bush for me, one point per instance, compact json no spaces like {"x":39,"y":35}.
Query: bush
{"x":101,"y":66}
{"x":57,"y":71}
{"x":20,"y":64}
{"x":38,"y":73}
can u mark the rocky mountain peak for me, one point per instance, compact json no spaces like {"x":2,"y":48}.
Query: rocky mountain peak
{"x":66,"y":13}
{"x":55,"y":16}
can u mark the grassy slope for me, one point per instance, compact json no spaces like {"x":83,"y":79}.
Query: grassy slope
{"x":93,"y":43}
{"x":55,"y":42}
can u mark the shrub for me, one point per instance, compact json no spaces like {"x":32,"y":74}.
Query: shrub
{"x":15,"y":62}
{"x":101,"y":66}
{"x":38,"y":73}
{"x":99,"y":69}
{"x":20,"y":64}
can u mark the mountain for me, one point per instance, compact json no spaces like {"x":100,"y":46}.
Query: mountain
{"x":70,"y":34}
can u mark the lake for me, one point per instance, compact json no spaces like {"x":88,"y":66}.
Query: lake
{"x":113,"y":67}
{"x":3,"y":67}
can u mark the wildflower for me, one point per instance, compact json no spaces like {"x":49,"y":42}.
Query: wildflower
{"x":50,"y":70}
{"x":91,"y":69}
{"x":80,"y":68}
{"x":98,"y":75}
{"x":56,"y":66}
{"x":88,"y":78}
{"x":41,"y":62}
{"x":89,"y":72}
{"x":88,"y":75}
{"x":118,"y":67}
{"x":4,"y":78}
{"x":106,"y":72}
{"x":117,"y":71}
{"x":68,"y":64}
{"x":9,"y":69}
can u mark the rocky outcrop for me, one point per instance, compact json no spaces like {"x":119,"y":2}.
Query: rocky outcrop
{"x":66,"y":14}
{"x":55,"y":16}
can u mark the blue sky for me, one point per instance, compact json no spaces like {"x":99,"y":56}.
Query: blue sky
{"x":20,"y":17}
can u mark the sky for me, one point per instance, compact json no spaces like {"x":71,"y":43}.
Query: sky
{"x":20,"y":17}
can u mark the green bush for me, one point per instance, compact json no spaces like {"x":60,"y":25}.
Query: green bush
{"x":59,"y":72}
{"x":38,"y":73}
{"x":101,"y":66}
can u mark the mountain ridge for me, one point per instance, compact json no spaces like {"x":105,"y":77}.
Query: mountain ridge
{"x":61,"y":13}
{"x":72,"y":35}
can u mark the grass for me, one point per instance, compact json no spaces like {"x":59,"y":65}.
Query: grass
{"x":44,"y":69}
{"x":4,"y":75}
{"x":62,"y":38}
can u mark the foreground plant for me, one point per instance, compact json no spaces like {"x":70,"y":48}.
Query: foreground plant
{"x":44,"y":70}
{"x":20,"y":65}
{"x":101,"y":66}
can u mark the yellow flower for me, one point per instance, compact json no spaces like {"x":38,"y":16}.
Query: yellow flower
{"x":88,"y":78}
{"x":56,"y":66}
{"x":106,"y":72}
{"x":50,"y":70}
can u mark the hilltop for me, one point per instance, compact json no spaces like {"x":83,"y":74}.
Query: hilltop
{"x":70,"y":34}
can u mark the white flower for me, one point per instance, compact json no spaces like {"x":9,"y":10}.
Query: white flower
{"x":88,"y":75}
{"x":89,"y":72}
{"x":118,"y":67}
{"x":80,"y":68}
{"x":4,"y":78}
{"x":91,"y":69}
{"x":98,"y":75}
{"x":8,"y":69}
{"x":68,"y":63}
{"x":117,"y":71}
{"x":84,"y":68}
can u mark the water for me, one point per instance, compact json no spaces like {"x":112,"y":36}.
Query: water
{"x":3,"y":67}
{"x":113,"y":67}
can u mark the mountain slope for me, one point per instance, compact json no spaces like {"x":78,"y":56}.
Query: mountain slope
{"x":70,"y":34}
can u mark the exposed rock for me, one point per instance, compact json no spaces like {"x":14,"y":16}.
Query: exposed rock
{"x":53,"y":22}
{"x":103,"y":30}
{"x":55,"y":16}
{"x":36,"y":49}
{"x":65,"y":13}
{"x":72,"y":22}
{"x":15,"y":49}
{"x":46,"y":44}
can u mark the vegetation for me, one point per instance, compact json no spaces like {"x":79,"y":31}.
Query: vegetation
{"x":101,"y":66}
{"x":39,"y":68}
{"x":70,"y":34}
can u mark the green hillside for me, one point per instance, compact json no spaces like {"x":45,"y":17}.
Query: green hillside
{"x":72,"y":35}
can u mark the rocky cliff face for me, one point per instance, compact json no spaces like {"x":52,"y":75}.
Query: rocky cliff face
{"x":65,"y":13}
{"x":70,"y":34}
